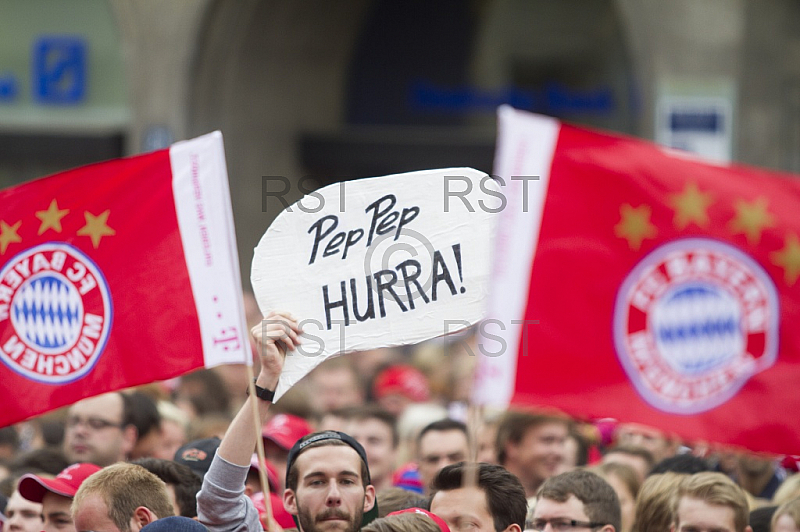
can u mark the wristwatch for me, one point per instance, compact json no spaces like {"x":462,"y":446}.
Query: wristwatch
{"x":262,"y":393}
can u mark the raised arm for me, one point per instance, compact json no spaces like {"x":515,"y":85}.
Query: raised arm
{"x":275,"y":335}
{"x":221,"y":503}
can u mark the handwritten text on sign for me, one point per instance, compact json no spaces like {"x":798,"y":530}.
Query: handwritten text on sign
{"x":385,"y":261}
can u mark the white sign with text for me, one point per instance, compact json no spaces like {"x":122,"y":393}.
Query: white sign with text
{"x":379,"y":262}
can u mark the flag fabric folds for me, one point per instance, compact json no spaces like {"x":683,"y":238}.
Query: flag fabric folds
{"x":117,"y":274}
{"x":638,"y":283}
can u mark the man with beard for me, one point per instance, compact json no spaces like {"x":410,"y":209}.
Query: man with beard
{"x":327,"y":481}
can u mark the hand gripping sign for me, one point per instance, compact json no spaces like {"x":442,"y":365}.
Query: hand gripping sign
{"x":379,"y":262}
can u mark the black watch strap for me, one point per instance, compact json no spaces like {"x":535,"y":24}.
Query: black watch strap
{"x":262,"y":393}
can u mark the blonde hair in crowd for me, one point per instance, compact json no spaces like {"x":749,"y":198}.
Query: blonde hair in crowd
{"x":408,"y":522}
{"x":717,"y":489}
{"x":623,"y":472}
{"x":124,"y":487}
{"x":790,"y":508}
{"x":654,"y":504}
{"x":788,"y":490}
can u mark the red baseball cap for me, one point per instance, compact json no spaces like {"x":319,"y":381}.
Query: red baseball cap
{"x":436,"y":519}
{"x":272,"y":474}
{"x":66,"y":483}
{"x":407,"y":381}
{"x":285,"y":429}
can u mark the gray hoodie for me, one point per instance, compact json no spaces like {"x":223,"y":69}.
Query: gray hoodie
{"x":222,"y":505}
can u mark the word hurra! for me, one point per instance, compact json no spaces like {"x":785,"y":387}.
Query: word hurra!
{"x":385,"y":283}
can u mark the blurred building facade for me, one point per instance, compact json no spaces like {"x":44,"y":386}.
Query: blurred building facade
{"x":309,"y":92}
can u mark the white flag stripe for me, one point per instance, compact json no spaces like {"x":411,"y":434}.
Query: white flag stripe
{"x":525,"y":147}
{"x":202,"y":202}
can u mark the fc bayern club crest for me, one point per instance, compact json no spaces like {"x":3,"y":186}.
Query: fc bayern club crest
{"x":55,"y":313}
{"x":693,"y":321}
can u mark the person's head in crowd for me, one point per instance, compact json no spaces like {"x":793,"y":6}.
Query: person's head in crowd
{"x":415,"y":418}
{"x":252,"y":483}
{"x":99,"y":430}
{"x":174,"y":430}
{"x":8,"y":485}
{"x":376,"y":430}
{"x":760,"y":519}
{"x":682,"y":463}
{"x":197,"y":455}
{"x":710,"y":501}
{"x":145,"y":417}
{"x":531,"y":446}
{"x":576,"y":450}
{"x":48,"y":429}
{"x":335,"y":384}
{"x":23,"y":515}
{"x":9,"y":443}
{"x":788,"y":490}
{"x":209,"y":426}
{"x":45,"y":460}
{"x":479,"y":497}
{"x":656,"y":441}
{"x":395,"y":387}
{"x":280,"y":433}
{"x":56,"y":494}
{"x":787,"y":517}
{"x":439,"y":444}
{"x":408,"y":520}
{"x":654,"y":509}
{"x":486,"y":439}
{"x":328,"y":483}
{"x":625,"y":481}
{"x":578,"y":498}
{"x":394,"y":499}
{"x":182,"y":483}
{"x":368,"y":363}
{"x":198,"y":394}
{"x":5,"y":473}
{"x":120,"y":498}
{"x":333,"y":420}
{"x":726,"y":460}
{"x":639,"y":458}
{"x":759,"y":476}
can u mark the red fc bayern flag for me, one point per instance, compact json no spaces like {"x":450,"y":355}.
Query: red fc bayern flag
{"x":635,"y":282}
{"x":117,"y":274}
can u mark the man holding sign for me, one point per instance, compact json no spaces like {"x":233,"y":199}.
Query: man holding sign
{"x":327,"y":480}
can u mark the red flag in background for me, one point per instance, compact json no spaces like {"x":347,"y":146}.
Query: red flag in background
{"x":640,"y":284}
{"x":117,"y":274}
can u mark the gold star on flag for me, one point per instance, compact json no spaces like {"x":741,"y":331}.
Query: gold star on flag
{"x":751,"y":219}
{"x":96,"y":227}
{"x":634,"y":225}
{"x":8,"y":234}
{"x":690,"y":206}
{"x":51,"y":218}
{"x":788,"y":258}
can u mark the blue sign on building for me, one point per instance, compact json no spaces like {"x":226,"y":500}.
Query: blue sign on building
{"x":59,"y":70}
{"x":9,"y":88}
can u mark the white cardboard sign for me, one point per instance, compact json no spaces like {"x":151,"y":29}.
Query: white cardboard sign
{"x":379,"y":262}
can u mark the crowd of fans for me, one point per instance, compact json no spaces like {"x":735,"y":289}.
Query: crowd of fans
{"x":139,"y":458}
